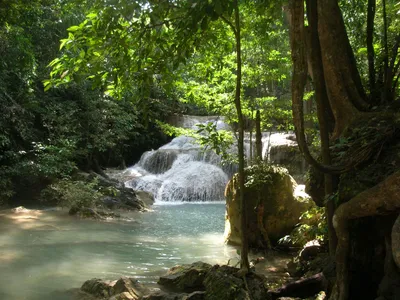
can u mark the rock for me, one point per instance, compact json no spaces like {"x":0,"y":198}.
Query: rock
{"x":116,"y":196}
{"x":20,"y":209}
{"x":124,"y":296}
{"x":396,"y":242}
{"x":289,"y":156}
{"x":275,"y":189}
{"x":310,"y":251}
{"x":87,"y":212}
{"x":221,"y":282}
{"x":186,"y":278}
{"x":98,"y":287}
{"x":122,"y":289}
{"x":70,"y":294}
{"x":146,"y":197}
{"x":131,"y":286}
{"x":175,"y":296}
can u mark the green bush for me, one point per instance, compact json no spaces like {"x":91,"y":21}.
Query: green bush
{"x":68,"y":193}
{"x":312,"y":226}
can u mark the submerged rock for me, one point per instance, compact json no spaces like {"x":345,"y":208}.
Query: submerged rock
{"x":272,"y":197}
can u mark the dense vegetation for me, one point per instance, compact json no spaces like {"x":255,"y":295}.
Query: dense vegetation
{"x":125,"y":66}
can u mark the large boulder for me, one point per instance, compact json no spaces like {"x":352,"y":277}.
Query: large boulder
{"x":272,"y":195}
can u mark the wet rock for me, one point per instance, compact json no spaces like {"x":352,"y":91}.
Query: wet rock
{"x":98,"y":287}
{"x":131,"y":286}
{"x":272,"y":188}
{"x":122,"y":289}
{"x":87,"y":212}
{"x":186,"y":278}
{"x":146,"y":197}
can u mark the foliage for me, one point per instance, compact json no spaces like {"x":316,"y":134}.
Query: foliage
{"x":46,"y":136}
{"x":259,"y":174}
{"x":312,"y":226}
{"x":221,"y":141}
{"x":76,"y":194}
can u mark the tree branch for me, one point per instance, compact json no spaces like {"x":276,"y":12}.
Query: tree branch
{"x":229,"y":23}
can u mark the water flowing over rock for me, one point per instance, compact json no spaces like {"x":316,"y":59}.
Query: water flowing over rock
{"x":182,"y":170}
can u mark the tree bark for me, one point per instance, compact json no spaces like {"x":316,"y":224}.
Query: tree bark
{"x":258,"y":136}
{"x":244,"y":259}
{"x":299,"y":79}
{"x":343,"y":82}
{"x":370,"y":49}
{"x":386,"y":69}
{"x":381,"y":199}
{"x":324,"y":113}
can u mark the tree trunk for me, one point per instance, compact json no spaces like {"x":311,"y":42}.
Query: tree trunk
{"x":299,"y":79}
{"x":378,"y":200}
{"x":324,"y":113}
{"x":258,"y":136}
{"x":244,"y":259}
{"x":370,"y":49}
{"x":343,"y":82}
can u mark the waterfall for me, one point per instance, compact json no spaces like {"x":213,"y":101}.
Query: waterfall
{"x":184,"y":171}
{"x":180,"y":171}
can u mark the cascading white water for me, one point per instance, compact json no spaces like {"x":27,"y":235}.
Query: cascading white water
{"x":183,"y":171}
{"x":180,"y":171}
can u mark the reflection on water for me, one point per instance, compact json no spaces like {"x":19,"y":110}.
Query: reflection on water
{"x":44,"y":251}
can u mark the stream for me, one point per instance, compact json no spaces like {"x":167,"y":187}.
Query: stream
{"x":42,"y":251}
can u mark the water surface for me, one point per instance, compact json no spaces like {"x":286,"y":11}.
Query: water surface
{"x":42,"y":251}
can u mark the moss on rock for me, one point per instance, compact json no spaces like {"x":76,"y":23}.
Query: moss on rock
{"x":272,"y":188}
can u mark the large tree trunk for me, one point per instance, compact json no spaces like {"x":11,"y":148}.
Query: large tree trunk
{"x":324,"y":112}
{"x":343,"y":82}
{"x":381,"y":199}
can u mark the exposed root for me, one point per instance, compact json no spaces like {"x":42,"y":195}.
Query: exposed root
{"x":381,"y":199}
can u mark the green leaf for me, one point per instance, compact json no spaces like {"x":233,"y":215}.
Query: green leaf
{"x":73,"y":28}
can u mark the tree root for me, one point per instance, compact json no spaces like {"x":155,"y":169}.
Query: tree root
{"x":305,"y":287}
{"x":381,"y":199}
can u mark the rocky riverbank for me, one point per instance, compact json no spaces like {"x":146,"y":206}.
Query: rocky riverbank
{"x":198,"y":281}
